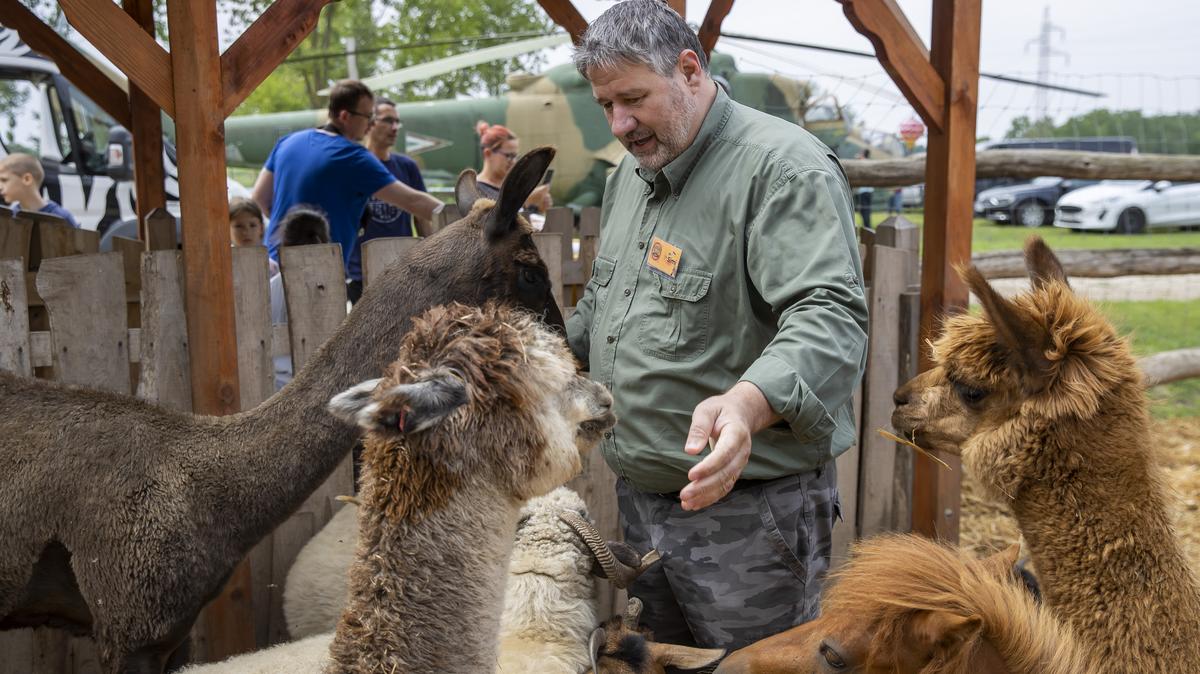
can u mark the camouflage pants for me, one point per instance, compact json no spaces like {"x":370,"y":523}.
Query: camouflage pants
{"x":742,"y":569}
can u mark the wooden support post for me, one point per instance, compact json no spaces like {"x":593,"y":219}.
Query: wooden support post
{"x":710,"y":30}
{"x":563,"y":13}
{"x":208,"y":269}
{"x":949,"y":194}
{"x":148,"y":174}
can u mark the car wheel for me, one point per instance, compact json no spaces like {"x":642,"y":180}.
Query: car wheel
{"x":1032,"y":213}
{"x":1131,"y":221}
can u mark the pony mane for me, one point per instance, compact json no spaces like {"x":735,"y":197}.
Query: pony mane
{"x":891,"y":578}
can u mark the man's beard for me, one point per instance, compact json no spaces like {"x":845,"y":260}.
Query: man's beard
{"x":673,"y":138}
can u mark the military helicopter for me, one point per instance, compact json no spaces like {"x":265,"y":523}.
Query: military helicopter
{"x":552,"y":108}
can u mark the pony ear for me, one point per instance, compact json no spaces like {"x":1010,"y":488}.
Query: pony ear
{"x":1000,"y":564}
{"x":938,"y":631}
{"x":466,"y":191}
{"x":684,"y":657}
{"x":349,"y":403}
{"x":518,"y":184}
{"x":1023,"y":339}
{"x":1043,"y":265}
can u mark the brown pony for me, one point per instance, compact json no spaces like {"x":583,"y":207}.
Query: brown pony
{"x":907,"y":605}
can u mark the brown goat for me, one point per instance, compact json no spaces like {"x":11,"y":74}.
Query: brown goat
{"x":619,"y":646}
{"x":123,"y":519}
{"x":1046,"y":404}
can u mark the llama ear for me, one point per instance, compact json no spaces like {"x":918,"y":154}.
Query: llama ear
{"x":412,"y":408}
{"x":518,"y":184}
{"x":1000,"y":564}
{"x":1043,"y":265}
{"x":684,"y":657}
{"x":466,"y":191}
{"x":349,"y":403}
{"x":938,"y":631}
{"x":1023,"y":339}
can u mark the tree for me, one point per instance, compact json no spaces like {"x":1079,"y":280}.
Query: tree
{"x":392,"y":34}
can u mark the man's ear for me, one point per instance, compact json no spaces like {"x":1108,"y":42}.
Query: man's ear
{"x":689,"y":65}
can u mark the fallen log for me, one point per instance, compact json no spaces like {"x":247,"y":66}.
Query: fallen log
{"x":1170,"y":366}
{"x":1097,"y":263}
{"x":1031,"y":164}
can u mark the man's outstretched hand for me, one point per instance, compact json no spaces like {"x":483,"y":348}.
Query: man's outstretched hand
{"x":730,"y":419}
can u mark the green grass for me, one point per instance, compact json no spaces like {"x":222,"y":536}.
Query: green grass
{"x":1161,"y":325}
{"x":987,"y":236}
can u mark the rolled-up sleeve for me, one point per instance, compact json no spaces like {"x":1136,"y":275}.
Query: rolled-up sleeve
{"x":802,"y":259}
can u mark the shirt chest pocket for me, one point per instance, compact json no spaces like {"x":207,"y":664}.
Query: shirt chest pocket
{"x":675,"y":321}
{"x":602,"y":273}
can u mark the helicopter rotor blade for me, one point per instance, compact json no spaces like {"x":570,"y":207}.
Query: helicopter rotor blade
{"x":459,"y":61}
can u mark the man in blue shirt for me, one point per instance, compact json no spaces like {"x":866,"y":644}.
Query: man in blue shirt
{"x":328,"y":169}
{"x":381,"y":219}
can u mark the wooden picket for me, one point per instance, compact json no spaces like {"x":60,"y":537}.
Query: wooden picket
{"x":98,"y":317}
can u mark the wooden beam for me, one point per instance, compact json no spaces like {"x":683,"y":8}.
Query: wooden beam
{"x":680,"y":7}
{"x":949,"y":197}
{"x":564,"y":14}
{"x":149,"y":177}
{"x":260,"y":49}
{"x":902,"y":54}
{"x":73,"y":65}
{"x":1031,"y":164}
{"x":123,"y":41}
{"x":208,"y":268}
{"x":710,"y":30}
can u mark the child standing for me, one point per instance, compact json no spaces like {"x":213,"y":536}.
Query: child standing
{"x":246,"y":226}
{"x":21,"y":179}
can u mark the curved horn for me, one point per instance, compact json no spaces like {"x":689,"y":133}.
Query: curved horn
{"x":616,"y":570}
{"x":595,"y":644}
{"x":633,"y":613}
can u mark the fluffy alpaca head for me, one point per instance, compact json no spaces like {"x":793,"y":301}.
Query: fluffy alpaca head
{"x":1043,"y":363}
{"x":904,"y":604}
{"x":478,"y":394}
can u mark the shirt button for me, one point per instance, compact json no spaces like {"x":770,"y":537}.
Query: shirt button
{"x":641,"y":245}
{"x":627,"y":292}
{"x":610,"y":339}
{"x":608,"y":435}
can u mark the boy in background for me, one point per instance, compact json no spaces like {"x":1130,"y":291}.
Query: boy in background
{"x":21,"y":179}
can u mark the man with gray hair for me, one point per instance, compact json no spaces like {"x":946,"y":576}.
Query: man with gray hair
{"x":726,"y":314}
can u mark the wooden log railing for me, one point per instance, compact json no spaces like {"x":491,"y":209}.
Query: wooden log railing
{"x":1031,"y":164}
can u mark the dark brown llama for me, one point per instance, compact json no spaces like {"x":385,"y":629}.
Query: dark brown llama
{"x":123,"y":519}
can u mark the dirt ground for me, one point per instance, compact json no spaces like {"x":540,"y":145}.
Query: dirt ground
{"x":987,"y":527}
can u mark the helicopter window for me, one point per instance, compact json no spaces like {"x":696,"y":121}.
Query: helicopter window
{"x":22,"y":111}
{"x":92,"y":123}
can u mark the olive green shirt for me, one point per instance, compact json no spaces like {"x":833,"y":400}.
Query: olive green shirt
{"x":768,"y":290}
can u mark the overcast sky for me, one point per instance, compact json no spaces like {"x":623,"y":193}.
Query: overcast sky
{"x":1143,"y":55}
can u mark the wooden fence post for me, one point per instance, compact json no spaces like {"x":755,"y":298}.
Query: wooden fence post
{"x":15,"y":353}
{"x":165,"y":376}
{"x":85,"y":298}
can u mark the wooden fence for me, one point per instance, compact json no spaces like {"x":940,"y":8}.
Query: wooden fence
{"x":115,"y":321}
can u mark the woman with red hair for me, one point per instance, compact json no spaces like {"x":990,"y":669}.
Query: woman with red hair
{"x":500,"y":151}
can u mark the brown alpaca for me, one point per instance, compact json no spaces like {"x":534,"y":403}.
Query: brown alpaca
{"x":1047,"y":407}
{"x":122,"y":519}
{"x":482,"y":411}
{"x":907,"y":605}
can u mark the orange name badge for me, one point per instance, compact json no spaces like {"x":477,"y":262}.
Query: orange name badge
{"x":663,"y":257}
